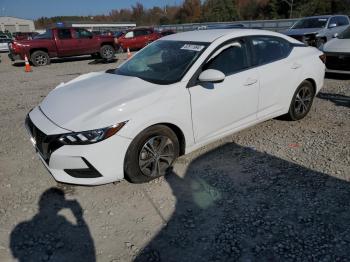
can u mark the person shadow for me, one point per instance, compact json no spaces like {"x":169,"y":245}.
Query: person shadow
{"x":49,"y":236}
{"x":237,"y":204}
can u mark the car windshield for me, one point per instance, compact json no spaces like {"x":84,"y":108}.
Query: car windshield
{"x":163,"y":62}
{"x":46,"y":35}
{"x":311,"y":23}
{"x":345,"y":34}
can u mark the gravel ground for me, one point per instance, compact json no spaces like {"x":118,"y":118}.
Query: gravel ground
{"x":279,"y":191}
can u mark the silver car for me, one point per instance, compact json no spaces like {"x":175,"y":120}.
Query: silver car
{"x":317,"y":30}
{"x":337,"y":53}
{"x":4,"y":44}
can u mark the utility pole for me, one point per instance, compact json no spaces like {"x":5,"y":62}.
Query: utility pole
{"x":290,"y":3}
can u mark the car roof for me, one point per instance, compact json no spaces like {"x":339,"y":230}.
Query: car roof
{"x":210,"y":36}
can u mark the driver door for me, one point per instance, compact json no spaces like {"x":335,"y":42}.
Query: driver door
{"x":220,"y":108}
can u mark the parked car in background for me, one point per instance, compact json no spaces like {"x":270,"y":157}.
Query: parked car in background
{"x":4,"y":44}
{"x":176,"y":95}
{"x":62,"y":42}
{"x":167,"y":32}
{"x":337,"y":53}
{"x":220,"y":26}
{"x":317,"y":30}
{"x":137,"y":38}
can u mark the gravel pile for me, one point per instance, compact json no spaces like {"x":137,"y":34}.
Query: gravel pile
{"x":279,"y":191}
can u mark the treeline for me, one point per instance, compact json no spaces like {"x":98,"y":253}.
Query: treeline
{"x":192,"y":11}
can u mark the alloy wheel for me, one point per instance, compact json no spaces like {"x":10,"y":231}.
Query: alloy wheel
{"x":156,"y":156}
{"x":41,"y":60}
{"x":303,"y":100}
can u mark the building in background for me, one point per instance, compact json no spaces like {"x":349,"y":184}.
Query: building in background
{"x":14,"y":24}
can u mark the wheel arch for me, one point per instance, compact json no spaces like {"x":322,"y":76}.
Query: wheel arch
{"x":176,"y":129}
{"x":107,"y":43}
{"x":180,"y":136}
{"x":313,"y":83}
{"x":31,"y":51}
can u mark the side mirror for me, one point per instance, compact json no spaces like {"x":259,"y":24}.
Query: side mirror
{"x":332,"y":25}
{"x":335,"y":35}
{"x":212,"y":76}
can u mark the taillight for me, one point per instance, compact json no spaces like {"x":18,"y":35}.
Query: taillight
{"x":323,"y":58}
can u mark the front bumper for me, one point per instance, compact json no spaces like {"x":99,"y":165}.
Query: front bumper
{"x":14,"y":57}
{"x":338,"y":63}
{"x":93,"y":164}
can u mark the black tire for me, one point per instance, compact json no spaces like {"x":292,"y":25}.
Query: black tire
{"x":301,"y":101}
{"x":107,"y":52}
{"x":40,"y":58}
{"x":133,"y":158}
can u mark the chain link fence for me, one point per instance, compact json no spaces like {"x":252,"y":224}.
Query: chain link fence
{"x":273,"y":25}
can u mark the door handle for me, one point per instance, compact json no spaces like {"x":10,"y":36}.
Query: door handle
{"x":250,"y":81}
{"x":296,"y":66}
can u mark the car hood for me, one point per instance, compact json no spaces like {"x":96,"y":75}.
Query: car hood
{"x":302,"y":31}
{"x":337,"y":45}
{"x":98,"y":100}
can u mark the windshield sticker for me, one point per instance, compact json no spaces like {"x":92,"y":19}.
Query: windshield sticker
{"x":196,"y":48}
{"x":322,"y":19}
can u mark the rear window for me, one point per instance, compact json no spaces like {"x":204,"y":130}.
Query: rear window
{"x":46,"y":35}
{"x":268,"y":49}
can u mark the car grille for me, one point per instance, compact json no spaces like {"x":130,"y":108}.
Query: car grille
{"x":338,"y":61}
{"x":45,"y":144}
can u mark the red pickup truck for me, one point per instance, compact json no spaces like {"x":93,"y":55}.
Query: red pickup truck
{"x":137,"y":38}
{"x":62,"y":42}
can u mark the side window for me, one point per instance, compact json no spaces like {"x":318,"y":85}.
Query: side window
{"x":333,"y":22}
{"x":82,"y":33}
{"x":129,"y":34}
{"x":64,"y":34}
{"x":140,"y":33}
{"x":268,"y":49}
{"x":341,"y":21}
{"x":229,"y":59}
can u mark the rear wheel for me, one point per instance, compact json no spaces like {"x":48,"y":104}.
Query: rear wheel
{"x":107,"y":52}
{"x":40,"y":58}
{"x":302,"y":101}
{"x":151,"y":154}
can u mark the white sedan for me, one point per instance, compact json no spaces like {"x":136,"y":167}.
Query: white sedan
{"x":337,"y":53}
{"x":178,"y":94}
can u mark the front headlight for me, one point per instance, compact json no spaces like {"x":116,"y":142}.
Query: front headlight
{"x":91,"y":136}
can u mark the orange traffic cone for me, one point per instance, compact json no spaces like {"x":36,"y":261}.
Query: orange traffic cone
{"x":27,"y":65}
{"x":129,"y":53}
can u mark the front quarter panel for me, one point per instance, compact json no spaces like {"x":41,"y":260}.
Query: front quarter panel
{"x":172,"y":107}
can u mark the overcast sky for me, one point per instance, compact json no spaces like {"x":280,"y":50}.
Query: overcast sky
{"x":37,"y":8}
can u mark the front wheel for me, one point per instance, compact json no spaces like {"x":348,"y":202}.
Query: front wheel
{"x":151,"y":154}
{"x":107,"y":52}
{"x":301,"y":102}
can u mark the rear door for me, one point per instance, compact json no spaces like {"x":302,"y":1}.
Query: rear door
{"x":278,"y":73}
{"x":87,"y":43}
{"x":66,"y":44}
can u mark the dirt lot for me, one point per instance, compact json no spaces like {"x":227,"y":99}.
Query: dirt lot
{"x":279,"y":191}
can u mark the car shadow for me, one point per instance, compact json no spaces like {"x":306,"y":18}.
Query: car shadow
{"x":93,"y":61}
{"x":338,"y":100}
{"x":237,"y":204}
{"x":49,"y":236}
